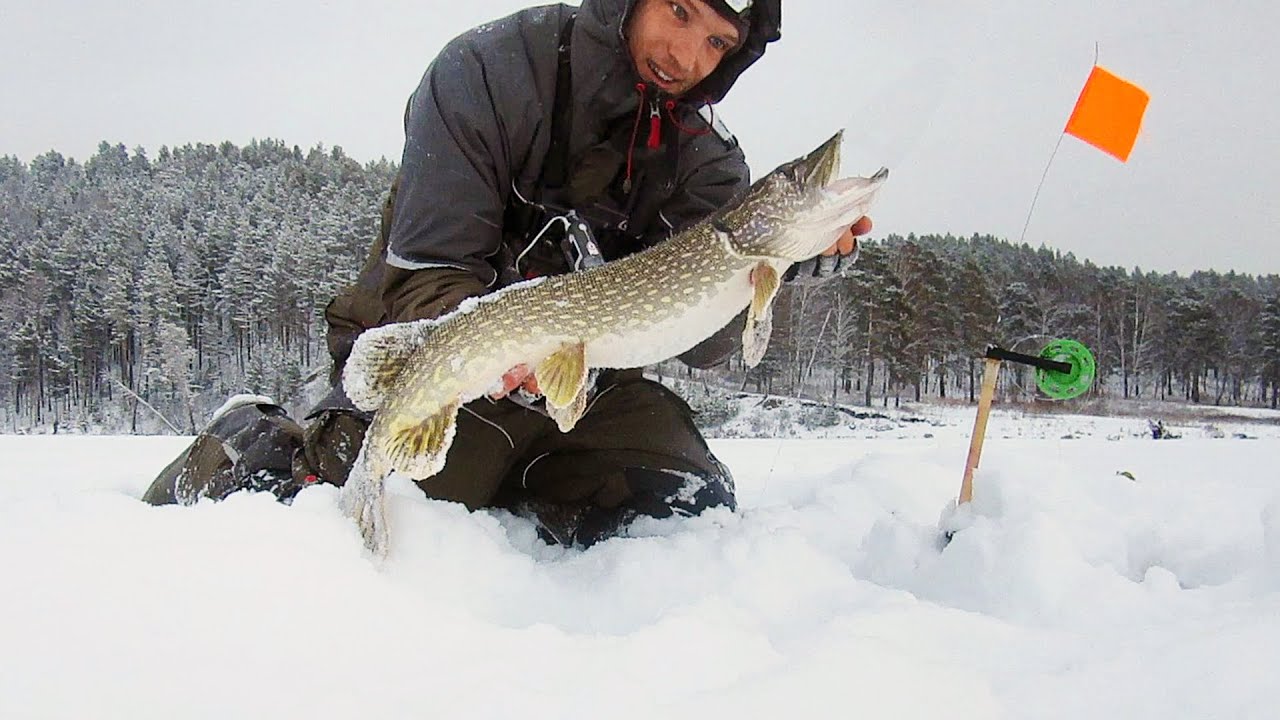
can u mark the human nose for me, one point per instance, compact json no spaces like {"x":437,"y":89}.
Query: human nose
{"x":683,"y":48}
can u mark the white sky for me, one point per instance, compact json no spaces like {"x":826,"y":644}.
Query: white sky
{"x":963,"y":100}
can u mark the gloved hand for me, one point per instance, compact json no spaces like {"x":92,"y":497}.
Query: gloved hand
{"x":834,"y":261}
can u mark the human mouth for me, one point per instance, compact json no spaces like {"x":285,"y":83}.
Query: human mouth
{"x":663,"y":78}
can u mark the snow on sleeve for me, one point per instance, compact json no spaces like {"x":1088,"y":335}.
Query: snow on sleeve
{"x":240,"y":400}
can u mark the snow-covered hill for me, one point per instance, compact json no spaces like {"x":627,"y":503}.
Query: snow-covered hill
{"x":1070,"y":591}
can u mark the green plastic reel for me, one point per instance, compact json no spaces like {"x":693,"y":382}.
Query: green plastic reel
{"x":1066,"y":385}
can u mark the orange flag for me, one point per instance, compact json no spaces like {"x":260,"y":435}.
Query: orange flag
{"x":1108,"y":113}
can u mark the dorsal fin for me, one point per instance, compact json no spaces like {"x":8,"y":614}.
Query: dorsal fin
{"x":377,"y":358}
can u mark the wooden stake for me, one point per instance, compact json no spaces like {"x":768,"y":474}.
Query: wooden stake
{"x":990,"y":375}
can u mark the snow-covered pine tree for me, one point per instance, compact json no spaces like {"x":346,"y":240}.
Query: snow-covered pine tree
{"x":1269,"y":350}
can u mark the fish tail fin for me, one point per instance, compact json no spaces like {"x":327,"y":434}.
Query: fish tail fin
{"x":364,"y":499}
{"x":378,"y":356}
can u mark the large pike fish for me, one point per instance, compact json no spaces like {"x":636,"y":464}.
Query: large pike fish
{"x":628,"y":313}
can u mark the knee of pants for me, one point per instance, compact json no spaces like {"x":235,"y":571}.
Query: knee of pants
{"x":658,"y":494}
{"x":332,"y":443}
{"x":665,"y":492}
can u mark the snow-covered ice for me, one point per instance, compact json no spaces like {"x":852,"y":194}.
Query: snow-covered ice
{"x":1069,"y":591}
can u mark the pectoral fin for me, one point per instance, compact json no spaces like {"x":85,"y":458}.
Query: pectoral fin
{"x":562,"y":377}
{"x":568,"y":416}
{"x":755,"y":336}
{"x":417,"y":448}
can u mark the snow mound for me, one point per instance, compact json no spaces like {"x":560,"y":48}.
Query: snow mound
{"x":1068,"y":590}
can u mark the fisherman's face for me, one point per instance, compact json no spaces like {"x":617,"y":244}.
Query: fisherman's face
{"x":676,"y":43}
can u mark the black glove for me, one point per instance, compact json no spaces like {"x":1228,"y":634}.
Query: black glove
{"x":820,"y":269}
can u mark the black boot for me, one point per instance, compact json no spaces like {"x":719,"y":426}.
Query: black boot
{"x":248,"y":446}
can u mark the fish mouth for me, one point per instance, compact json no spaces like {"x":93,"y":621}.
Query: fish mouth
{"x":800,"y":209}
{"x":838,"y":205}
{"x":817,"y":169}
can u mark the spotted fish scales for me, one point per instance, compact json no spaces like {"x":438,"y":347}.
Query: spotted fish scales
{"x":631,"y":312}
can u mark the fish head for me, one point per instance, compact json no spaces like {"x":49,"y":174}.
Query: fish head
{"x":799,"y":210}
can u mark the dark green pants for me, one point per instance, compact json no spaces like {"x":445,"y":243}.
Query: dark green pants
{"x":635,"y":452}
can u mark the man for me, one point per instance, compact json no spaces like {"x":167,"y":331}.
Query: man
{"x":603,"y":111}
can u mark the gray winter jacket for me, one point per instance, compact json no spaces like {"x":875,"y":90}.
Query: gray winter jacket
{"x":479,"y":127}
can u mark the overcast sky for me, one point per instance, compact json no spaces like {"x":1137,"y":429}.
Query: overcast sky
{"x":964,"y":101}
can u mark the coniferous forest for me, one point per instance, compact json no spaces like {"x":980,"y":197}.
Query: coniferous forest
{"x":137,"y":293}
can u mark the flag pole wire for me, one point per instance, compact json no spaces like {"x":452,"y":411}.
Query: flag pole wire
{"x":1023,"y":237}
{"x":1034,"y":198}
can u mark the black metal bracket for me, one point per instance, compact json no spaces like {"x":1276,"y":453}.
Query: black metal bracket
{"x":998,"y":353}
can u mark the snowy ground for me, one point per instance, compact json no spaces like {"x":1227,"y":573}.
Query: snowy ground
{"x":1071,"y":591}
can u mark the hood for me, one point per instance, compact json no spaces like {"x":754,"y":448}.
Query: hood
{"x":766,"y":27}
{"x":606,"y":67}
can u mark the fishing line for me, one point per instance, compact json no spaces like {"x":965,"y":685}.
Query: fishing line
{"x":765,"y":488}
{"x":891,"y":124}
{"x":920,"y":56}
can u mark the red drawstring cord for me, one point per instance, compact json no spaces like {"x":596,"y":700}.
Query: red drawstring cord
{"x":671,"y":106}
{"x":655,"y":127}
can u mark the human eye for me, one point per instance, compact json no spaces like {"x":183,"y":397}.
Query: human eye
{"x":679,"y":11}
{"x":719,"y":43}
